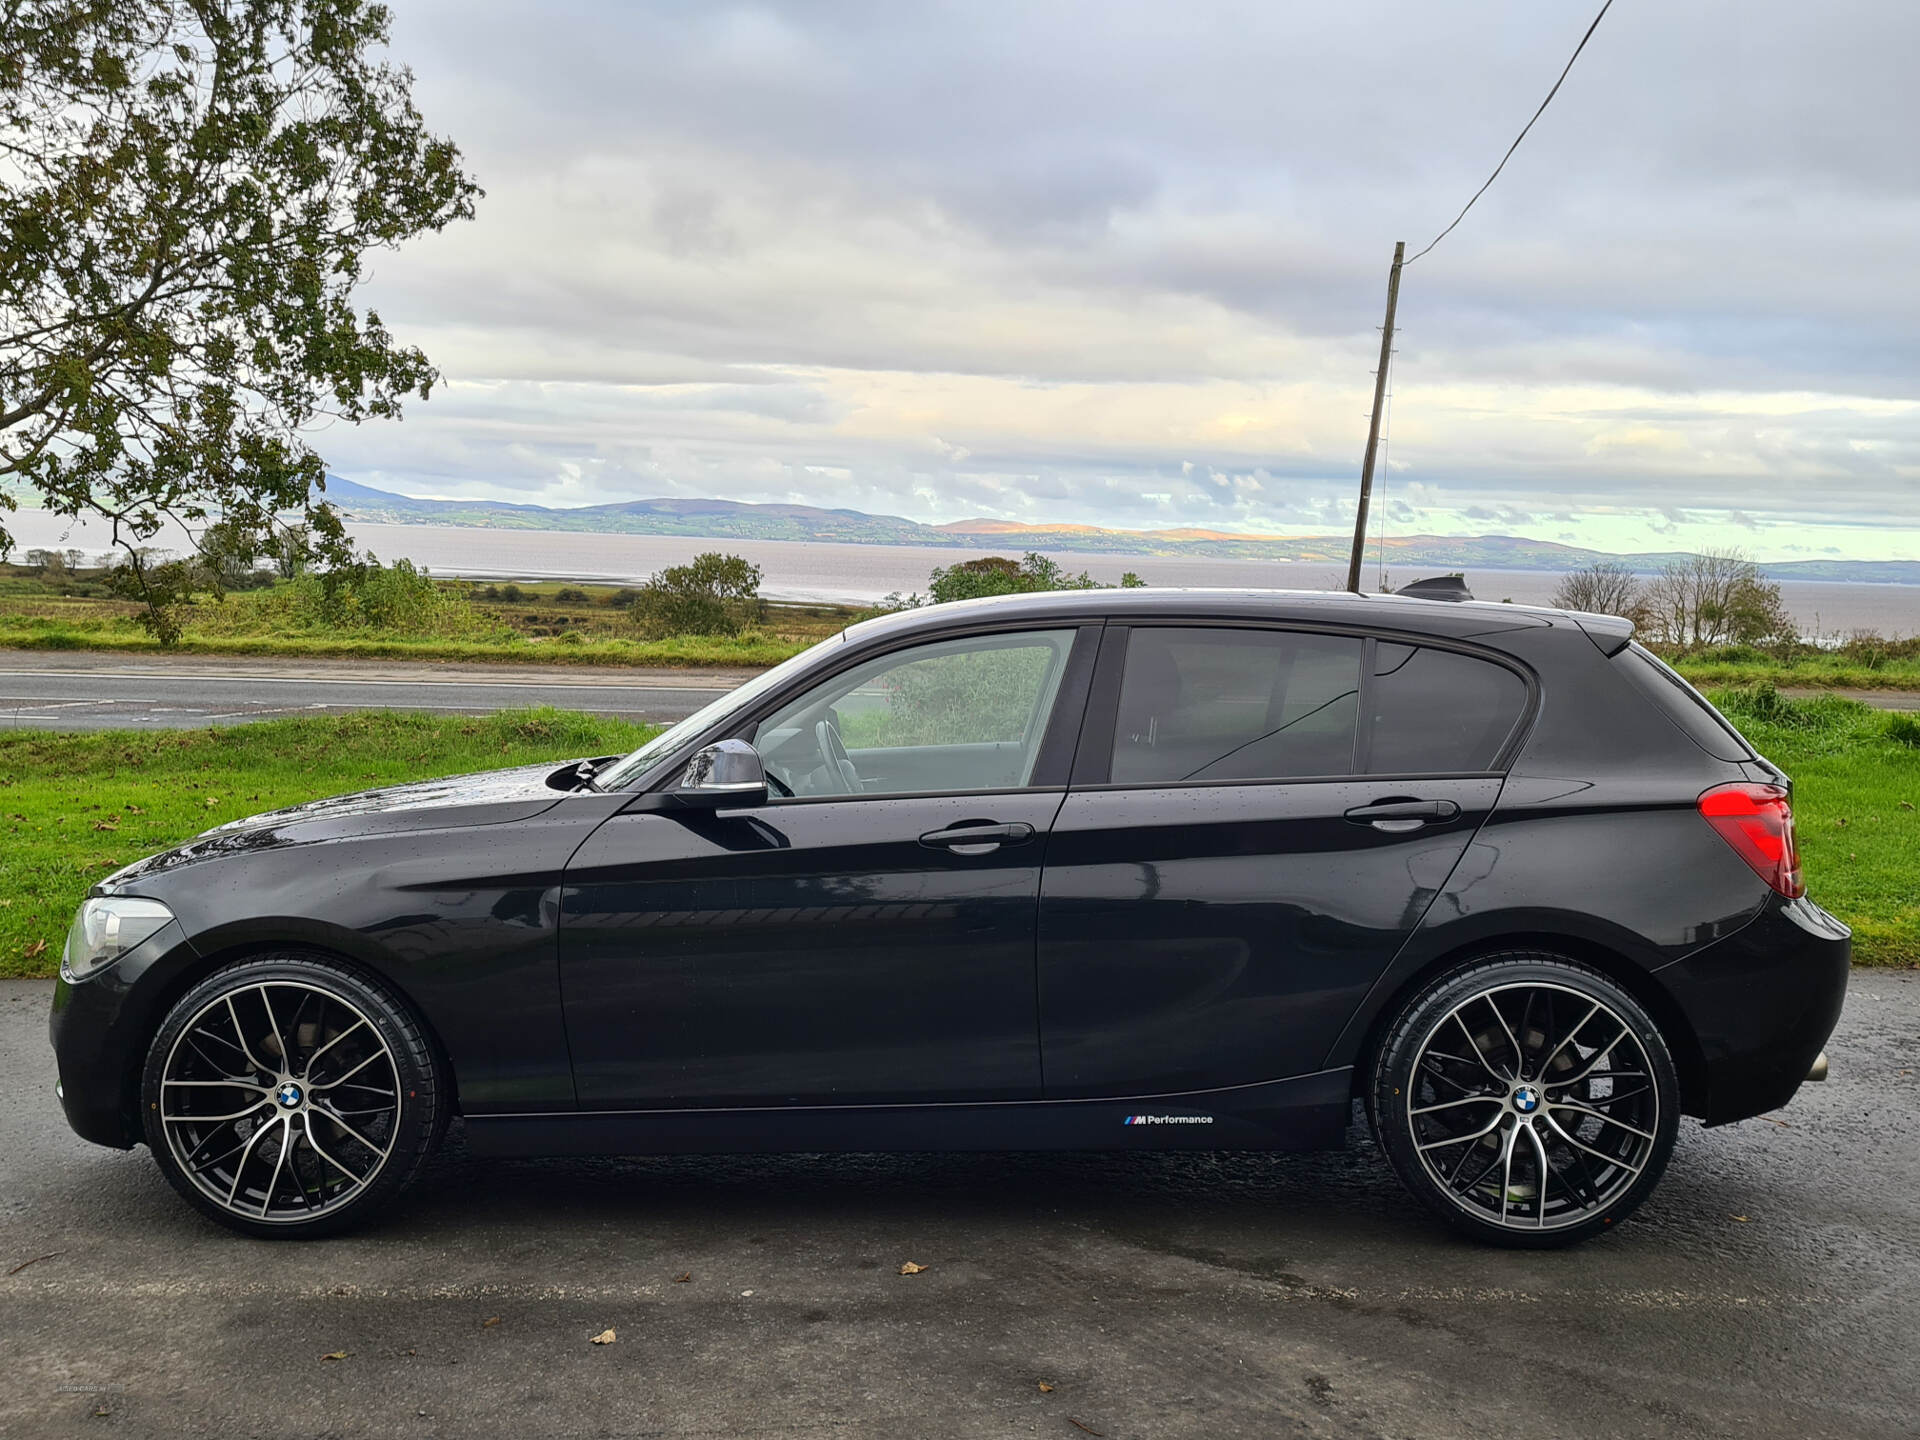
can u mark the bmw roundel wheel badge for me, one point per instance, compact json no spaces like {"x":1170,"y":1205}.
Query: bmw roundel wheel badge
{"x":1526,"y":1100}
{"x":288,"y":1095}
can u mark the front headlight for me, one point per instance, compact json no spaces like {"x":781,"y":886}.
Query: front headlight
{"x":107,"y":927}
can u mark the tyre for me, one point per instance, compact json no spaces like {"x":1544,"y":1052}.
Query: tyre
{"x":1527,"y":1100}
{"x":288,"y":1096}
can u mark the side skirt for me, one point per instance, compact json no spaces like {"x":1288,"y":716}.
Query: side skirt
{"x":1308,"y":1112}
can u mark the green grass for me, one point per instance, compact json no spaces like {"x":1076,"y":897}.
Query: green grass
{"x":76,"y":807}
{"x":750,"y":650}
{"x":1856,"y":774}
{"x":1814,"y":672}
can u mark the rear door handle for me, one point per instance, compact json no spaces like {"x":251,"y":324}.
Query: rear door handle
{"x":978,"y":839}
{"x":1397,"y":817}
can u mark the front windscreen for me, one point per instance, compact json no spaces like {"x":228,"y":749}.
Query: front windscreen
{"x":624,"y":772}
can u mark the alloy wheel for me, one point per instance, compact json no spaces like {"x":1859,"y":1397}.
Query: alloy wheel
{"x":280,"y":1101}
{"x":1533,"y":1106}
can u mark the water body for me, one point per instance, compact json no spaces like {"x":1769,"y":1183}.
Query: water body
{"x":822,"y":571}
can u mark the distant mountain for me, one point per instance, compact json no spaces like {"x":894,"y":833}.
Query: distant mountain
{"x":737,"y":520}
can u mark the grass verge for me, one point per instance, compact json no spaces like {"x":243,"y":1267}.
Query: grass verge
{"x":76,"y":807}
{"x":747,"y":651}
{"x":1856,"y":786}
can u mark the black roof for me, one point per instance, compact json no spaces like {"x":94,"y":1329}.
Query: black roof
{"x":1405,"y":614}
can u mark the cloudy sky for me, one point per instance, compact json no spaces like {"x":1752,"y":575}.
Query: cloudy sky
{"x":1121,"y":264}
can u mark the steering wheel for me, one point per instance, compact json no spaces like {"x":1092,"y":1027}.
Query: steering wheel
{"x":833,"y":750}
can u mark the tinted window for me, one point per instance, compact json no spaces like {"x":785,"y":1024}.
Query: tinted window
{"x":1682,"y":704}
{"x":1435,"y":712}
{"x":957,"y":715}
{"x":1235,"y":705}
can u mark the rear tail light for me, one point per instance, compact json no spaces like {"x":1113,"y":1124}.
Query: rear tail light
{"x":1757,"y":821}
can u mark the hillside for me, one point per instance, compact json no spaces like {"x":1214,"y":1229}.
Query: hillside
{"x":738,"y":520}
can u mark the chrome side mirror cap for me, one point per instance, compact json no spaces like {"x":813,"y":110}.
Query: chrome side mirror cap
{"x":728,"y":772}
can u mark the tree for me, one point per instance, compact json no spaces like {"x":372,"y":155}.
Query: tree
{"x":1606,"y":587}
{"x":1718,"y":597}
{"x":998,"y":575}
{"x":189,"y":192}
{"x":714,"y":595}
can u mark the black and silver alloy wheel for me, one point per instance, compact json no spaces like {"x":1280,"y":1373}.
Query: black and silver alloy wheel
{"x":1529,"y":1100}
{"x":288,"y":1095}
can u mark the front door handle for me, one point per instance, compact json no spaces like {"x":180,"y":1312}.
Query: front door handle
{"x":1397,"y":817}
{"x":978,"y":839}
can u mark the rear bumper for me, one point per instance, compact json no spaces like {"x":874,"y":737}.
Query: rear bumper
{"x":1762,"y":1004}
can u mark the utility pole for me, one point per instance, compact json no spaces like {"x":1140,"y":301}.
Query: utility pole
{"x":1373,"y":429}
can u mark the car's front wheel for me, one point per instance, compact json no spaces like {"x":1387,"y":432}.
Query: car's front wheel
{"x":1526,"y":1099}
{"x":287,"y":1095}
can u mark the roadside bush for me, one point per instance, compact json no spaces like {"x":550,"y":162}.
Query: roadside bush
{"x":999,"y":575}
{"x":568,"y":595}
{"x":714,"y":595}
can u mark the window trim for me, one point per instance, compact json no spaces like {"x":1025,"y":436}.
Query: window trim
{"x":1093,"y":765}
{"x":1050,"y":767}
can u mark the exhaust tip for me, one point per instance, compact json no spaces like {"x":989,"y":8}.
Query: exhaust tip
{"x":1819,"y":1070}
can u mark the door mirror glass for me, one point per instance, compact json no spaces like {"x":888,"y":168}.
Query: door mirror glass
{"x":728,"y":772}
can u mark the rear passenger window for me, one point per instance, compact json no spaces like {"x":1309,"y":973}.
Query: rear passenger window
{"x":1434,"y":712}
{"x":1219,"y":704}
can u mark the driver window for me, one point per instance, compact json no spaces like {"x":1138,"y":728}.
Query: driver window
{"x":959,"y":715}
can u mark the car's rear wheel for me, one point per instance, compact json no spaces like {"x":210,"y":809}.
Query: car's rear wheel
{"x":289,"y":1096}
{"x":1526,"y":1099}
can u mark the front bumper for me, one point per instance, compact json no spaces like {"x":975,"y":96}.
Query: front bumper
{"x":100,"y":1029}
{"x":1762,"y":1004}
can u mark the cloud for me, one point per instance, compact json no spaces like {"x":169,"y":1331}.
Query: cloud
{"x":1122,"y":263}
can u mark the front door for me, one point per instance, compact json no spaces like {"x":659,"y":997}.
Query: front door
{"x":866,"y":936}
{"x":1263,"y":830}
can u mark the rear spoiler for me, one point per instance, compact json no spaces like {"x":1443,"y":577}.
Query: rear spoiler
{"x":1612,"y":633}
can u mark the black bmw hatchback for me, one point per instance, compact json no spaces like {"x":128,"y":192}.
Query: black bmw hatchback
{"x":1136,"y":870}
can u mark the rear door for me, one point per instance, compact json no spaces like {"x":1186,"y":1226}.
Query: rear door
{"x":1260,"y":817}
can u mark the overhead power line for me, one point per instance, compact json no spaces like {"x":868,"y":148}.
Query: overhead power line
{"x":1523,"y":131}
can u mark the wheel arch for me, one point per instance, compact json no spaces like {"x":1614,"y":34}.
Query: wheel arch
{"x":1688,"y":1058}
{"x":190,"y":974}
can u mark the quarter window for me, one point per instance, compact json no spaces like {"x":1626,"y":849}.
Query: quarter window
{"x":1224,"y":705}
{"x":1434,"y":712}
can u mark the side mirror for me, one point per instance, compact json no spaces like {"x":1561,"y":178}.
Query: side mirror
{"x":726,"y":773}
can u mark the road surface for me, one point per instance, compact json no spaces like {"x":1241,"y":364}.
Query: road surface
{"x":96,"y":691}
{"x":1770,"y":1290}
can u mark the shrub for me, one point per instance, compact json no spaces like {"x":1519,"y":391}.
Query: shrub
{"x":714,"y":595}
{"x":998,"y":575}
{"x":568,"y":595}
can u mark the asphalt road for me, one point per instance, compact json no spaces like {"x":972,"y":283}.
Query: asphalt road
{"x":79,"y":691}
{"x":1771,"y":1288}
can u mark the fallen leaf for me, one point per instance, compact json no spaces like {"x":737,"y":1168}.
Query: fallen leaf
{"x":1906,"y":805}
{"x":1045,"y":1388}
{"x":605,"y":1337}
{"x":336,"y":1355}
{"x":212,"y":801}
{"x":745,"y":1293}
{"x":491,"y":1320}
{"x":683,"y":1279}
{"x":135,"y":810}
{"x":35,"y":1261}
{"x":911,"y":1269}
{"x":112,"y":822}
{"x":1081,"y":1424}
{"x":1742,"y":1219}
{"x":35,"y":950}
